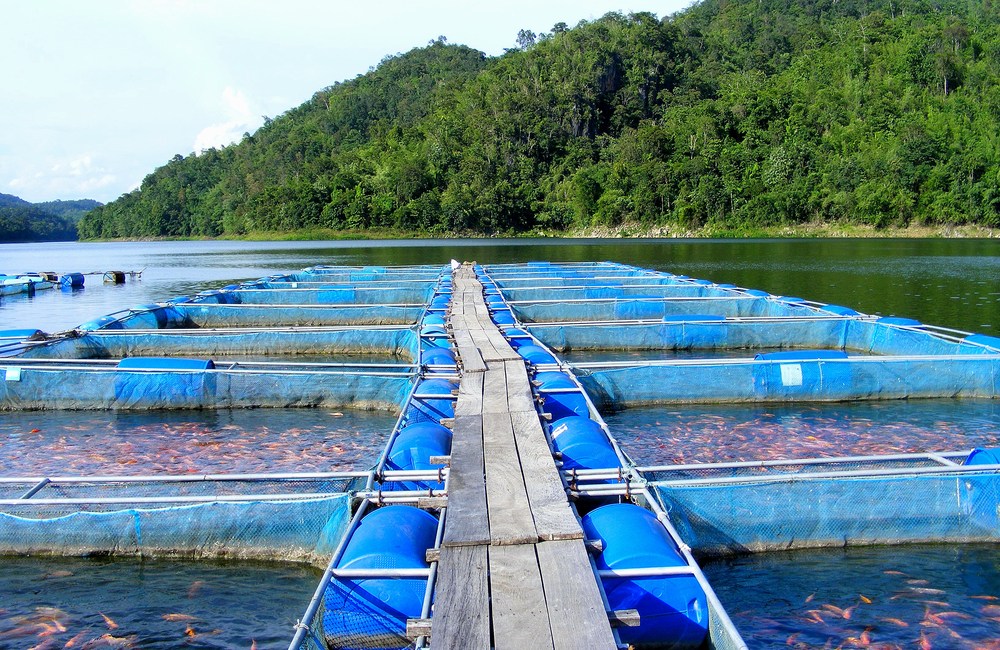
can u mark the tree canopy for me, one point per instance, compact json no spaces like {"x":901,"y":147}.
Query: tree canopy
{"x":48,"y":221}
{"x":733,"y":113}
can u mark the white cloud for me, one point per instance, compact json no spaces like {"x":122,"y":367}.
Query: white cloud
{"x":75,"y":177}
{"x":241,"y":119}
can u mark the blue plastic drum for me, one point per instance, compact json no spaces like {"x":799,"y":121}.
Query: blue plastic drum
{"x":583,"y":444}
{"x":428,"y":409}
{"x":535,"y":354}
{"x":438,"y":357}
{"x":673,"y":611}
{"x":504,"y":317}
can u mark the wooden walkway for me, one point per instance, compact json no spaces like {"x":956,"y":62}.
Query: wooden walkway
{"x":513,"y":569}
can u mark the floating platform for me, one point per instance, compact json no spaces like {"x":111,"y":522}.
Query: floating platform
{"x":503,"y":512}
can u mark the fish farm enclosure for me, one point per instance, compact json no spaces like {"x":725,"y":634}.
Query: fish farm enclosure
{"x":538,"y":455}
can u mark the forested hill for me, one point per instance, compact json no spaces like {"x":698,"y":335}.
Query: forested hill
{"x":48,"y":221}
{"x":733,"y":113}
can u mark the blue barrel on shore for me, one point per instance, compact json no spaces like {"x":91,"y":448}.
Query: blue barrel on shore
{"x":583,"y":444}
{"x":673,"y":610}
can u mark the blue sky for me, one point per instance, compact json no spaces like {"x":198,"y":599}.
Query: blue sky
{"x":97,"y":93}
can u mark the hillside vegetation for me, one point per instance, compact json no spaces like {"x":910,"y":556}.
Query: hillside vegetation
{"x":733,"y":114}
{"x":48,"y":221}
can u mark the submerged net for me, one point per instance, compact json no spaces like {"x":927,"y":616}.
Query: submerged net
{"x":275,"y":520}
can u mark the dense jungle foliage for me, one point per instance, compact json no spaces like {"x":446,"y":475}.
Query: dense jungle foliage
{"x":49,"y":221}
{"x":733,"y":113}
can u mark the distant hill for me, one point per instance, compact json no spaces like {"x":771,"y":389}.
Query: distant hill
{"x":47,"y":221}
{"x":733,"y":114}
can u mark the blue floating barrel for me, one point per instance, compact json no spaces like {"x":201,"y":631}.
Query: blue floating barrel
{"x":756,"y":293}
{"x":725,"y":286}
{"x":437,"y":357}
{"x":416,"y":443}
{"x":703,"y":283}
{"x":564,"y":405}
{"x":428,"y":409}
{"x":19,"y":334}
{"x":440,"y":302}
{"x":165,"y":363}
{"x":897,"y":320}
{"x":840,"y":311}
{"x":980,"y":339}
{"x":673,"y":611}
{"x":790,"y":300}
{"x":215,"y":296}
{"x":102,"y":323}
{"x":504,"y":317}
{"x":981,"y":456}
{"x":583,"y":444}
{"x":71,"y":280}
{"x":535,"y":354}
{"x":154,"y":316}
{"x":433,"y":330}
{"x":554,"y":379}
{"x":412,"y":450}
{"x":433,"y":319}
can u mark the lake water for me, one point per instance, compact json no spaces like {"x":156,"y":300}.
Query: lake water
{"x":948,"y":282}
{"x":154,"y":604}
{"x":933,"y":596}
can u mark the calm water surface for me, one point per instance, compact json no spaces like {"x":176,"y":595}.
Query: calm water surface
{"x":153,"y":604}
{"x":950,"y":282}
{"x":883,"y":597}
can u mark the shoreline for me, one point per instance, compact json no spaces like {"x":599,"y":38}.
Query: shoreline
{"x":623,"y":231}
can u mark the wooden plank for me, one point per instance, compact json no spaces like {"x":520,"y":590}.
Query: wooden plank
{"x":520,"y":618}
{"x":577,"y":616}
{"x":519,"y":395}
{"x":462,"y":603}
{"x":495,"y":391}
{"x":472,"y":361}
{"x":468,"y":521}
{"x":550,"y":511}
{"x":510,"y":516}
{"x":470,"y":395}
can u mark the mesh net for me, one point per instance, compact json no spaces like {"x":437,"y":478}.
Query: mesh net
{"x":816,"y":511}
{"x":399,"y":342}
{"x":118,"y":389}
{"x":413,"y":293}
{"x":641,"y":308}
{"x":306,"y":529}
{"x":773,"y":381}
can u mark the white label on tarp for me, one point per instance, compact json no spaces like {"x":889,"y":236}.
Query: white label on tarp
{"x":791,"y":374}
{"x":13,"y":373}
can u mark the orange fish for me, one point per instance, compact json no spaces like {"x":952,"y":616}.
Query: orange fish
{"x":836,"y":610}
{"x":109,"y":622}
{"x":72,"y":642}
{"x":189,"y":631}
{"x":179,"y":617}
{"x":865,"y":599}
{"x":895,"y":621}
{"x":253,"y":644}
{"x":195,"y":588}
{"x":990,"y":610}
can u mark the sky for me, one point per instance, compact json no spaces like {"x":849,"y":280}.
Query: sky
{"x":95,"y":94}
